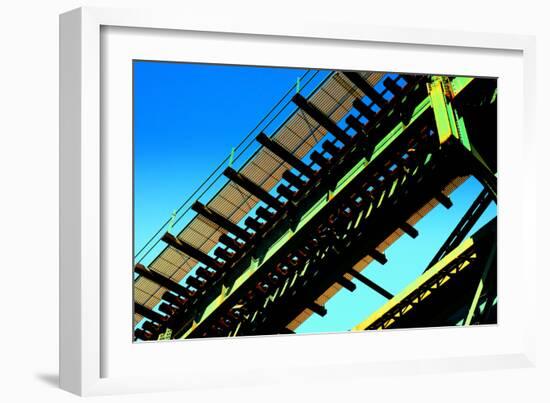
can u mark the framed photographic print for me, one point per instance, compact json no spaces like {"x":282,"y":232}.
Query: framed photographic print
{"x":242,"y":199}
{"x":271,"y":240}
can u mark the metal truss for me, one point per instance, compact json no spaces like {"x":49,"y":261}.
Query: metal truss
{"x":465,"y":269}
{"x":361,"y":189}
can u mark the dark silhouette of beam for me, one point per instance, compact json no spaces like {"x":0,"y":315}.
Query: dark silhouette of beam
{"x":231,"y":242}
{"x":321,"y":118}
{"x":285,"y":155}
{"x":144,"y":335}
{"x":220,"y":220}
{"x":294,"y":180}
{"x":161,"y":280}
{"x":318,"y":309}
{"x":190,"y":251}
{"x":152,"y":327}
{"x":409,"y":230}
{"x":264,"y":213}
{"x":392,"y":86}
{"x":168,"y":309}
{"x":347,"y":284}
{"x":378,"y":256}
{"x":319,"y":159}
{"x":224,"y":254}
{"x":329,"y":147}
{"x":364,"y":109}
{"x":195,"y":282}
{"x":174,"y":299}
{"x":444,"y":200}
{"x":356,"y":124}
{"x":366,"y":88}
{"x":252,"y":188}
{"x":371,"y":284}
{"x":254,"y":224}
{"x":206,"y":274}
{"x":285,"y":191}
{"x":149,"y":314}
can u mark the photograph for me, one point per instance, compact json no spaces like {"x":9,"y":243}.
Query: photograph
{"x":274,"y":200}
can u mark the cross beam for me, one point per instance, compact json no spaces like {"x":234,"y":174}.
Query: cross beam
{"x":321,"y":118}
{"x":161,"y":280}
{"x":191,"y":251}
{"x":220,"y":220}
{"x":285,"y":155}
{"x":347,"y":284}
{"x":370,"y":283}
{"x":366,"y":88}
{"x":318,"y":309}
{"x":149,"y":314}
{"x":252,"y":188}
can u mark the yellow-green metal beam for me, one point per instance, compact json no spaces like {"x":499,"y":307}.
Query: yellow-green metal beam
{"x":466,"y":248}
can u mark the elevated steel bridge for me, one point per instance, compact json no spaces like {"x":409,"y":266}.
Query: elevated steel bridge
{"x":302,"y":219}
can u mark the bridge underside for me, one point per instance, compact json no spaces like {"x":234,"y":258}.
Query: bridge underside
{"x":459,"y":289}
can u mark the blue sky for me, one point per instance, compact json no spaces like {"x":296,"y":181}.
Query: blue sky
{"x":187,"y":119}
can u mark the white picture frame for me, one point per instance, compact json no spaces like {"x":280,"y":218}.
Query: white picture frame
{"x":86,"y":345}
